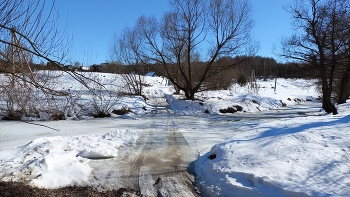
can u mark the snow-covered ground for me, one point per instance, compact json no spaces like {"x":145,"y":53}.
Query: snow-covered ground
{"x":53,"y":162}
{"x":289,"y":157}
{"x":300,"y":153}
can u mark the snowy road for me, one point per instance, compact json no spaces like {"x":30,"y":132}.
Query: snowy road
{"x":162,"y":166}
{"x":157,"y":165}
{"x":160,"y":162}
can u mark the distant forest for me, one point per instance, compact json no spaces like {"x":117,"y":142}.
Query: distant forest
{"x":263,"y":67}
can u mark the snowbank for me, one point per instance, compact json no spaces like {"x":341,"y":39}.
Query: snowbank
{"x":306,"y":156}
{"x":53,"y":162}
{"x":288,"y":92}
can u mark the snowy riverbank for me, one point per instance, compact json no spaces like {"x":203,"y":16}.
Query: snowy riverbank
{"x":280,"y":153}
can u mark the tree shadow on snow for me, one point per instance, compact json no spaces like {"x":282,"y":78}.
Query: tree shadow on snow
{"x":276,"y":132}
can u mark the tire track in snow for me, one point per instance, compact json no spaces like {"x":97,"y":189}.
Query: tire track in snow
{"x":162,"y":164}
{"x":158,"y":163}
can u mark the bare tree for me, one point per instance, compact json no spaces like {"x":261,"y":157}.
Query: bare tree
{"x":29,"y":34}
{"x":133,"y":84}
{"x":343,"y":83}
{"x":320,"y":41}
{"x":193,"y":31}
{"x":103,"y":99}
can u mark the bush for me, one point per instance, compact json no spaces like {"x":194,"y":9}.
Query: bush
{"x":12,"y":117}
{"x":58,"y":116}
{"x":101,"y":114}
{"x":242,"y":80}
{"x":133,"y":84}
{"x":122,"y":111}
{"x":103,"y":99}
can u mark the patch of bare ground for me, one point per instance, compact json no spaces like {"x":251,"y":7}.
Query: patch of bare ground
{"x":14,"y":189}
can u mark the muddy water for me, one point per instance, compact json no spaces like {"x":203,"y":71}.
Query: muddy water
{"x":163,"y":163}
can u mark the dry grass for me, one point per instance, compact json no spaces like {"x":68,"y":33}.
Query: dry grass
{"x":14,"y":189}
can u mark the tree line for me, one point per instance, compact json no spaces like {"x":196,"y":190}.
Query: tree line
{"x":264,"y":67}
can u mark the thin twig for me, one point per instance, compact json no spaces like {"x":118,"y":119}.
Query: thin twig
{"x":40,"y":125}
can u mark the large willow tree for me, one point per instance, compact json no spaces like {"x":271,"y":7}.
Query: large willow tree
{"x":189,"y":40}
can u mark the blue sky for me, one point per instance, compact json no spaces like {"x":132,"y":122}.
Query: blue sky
{"x":93,"y":23}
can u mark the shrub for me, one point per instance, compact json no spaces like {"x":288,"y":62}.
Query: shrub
{"x":133,"y":84}
{"x":103,"y":99}
{"x":101,"y":114}
{"x":58,"y":116}
{"x":12,"y":117}
{"x":242,"y":80}
{"x":122,"y":111}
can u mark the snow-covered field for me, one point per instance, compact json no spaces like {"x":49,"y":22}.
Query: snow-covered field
{"x":302,"y":152}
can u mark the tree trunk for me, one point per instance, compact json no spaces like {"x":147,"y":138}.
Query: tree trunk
{"x":329,"y":107}
{"x":344,"y":90}
{"x":327,"y":104}
{"x":189,"y":94}
{"x":343,"y":94}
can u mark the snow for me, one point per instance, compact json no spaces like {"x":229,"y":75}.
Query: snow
{"x":277,"y":154}
{"x":53,"y":162}
{"x":293,"y":157}
{"x":288,"y":91}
